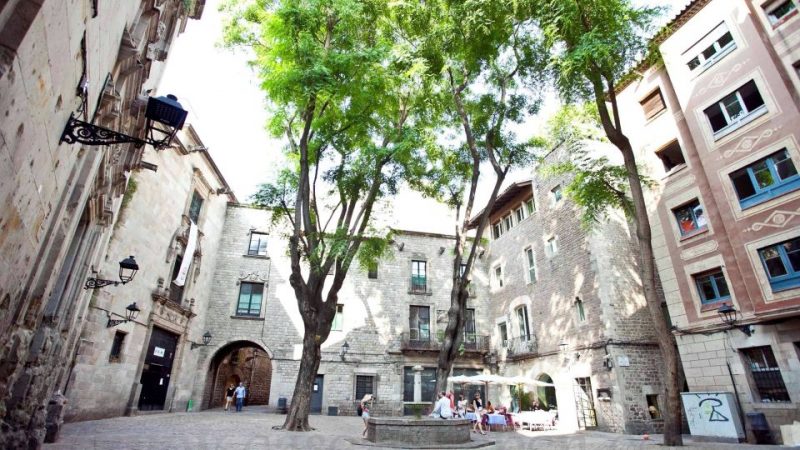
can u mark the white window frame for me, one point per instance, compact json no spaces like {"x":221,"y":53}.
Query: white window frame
{"x":508,"y":222}
{"x":340,"y":314}
{"x":497,"y":229}
{"x":711,"y":40}
{"x":499,"y":281}
{"x":530,"y":259}
{"x":526,"y":322}
{"x":551,"y":250}
{"x":745,"y":118}
{"x":519,"y":213}
{"x":770,"y":7}
{"x":560,"y":190}
{"x":530,"y":204}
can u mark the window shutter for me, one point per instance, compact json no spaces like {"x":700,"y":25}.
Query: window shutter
{"x":653,"y":104}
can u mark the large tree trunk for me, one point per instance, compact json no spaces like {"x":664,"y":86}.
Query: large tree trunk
{"x":453,"y":335}
{"x":297,"y":418}
{"x":666,"y":340}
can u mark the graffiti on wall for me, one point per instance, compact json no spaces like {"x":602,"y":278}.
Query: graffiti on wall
{"x":712,"y":414}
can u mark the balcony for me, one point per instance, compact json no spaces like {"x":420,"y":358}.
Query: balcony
{"x":419,"y":285}
{"x":411,"y":342}
{"x":521,"y":348}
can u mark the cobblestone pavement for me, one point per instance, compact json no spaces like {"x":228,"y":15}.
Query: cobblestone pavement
{"x":253,"y":429}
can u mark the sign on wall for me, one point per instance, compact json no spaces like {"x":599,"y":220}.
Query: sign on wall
{"x":713,"y":414}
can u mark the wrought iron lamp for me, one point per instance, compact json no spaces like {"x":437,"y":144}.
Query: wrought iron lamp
{"x":165,"y":116}
{"x":206,"y":340}
{"x":729,"y":316}
{"x":343,"y":350}
{"x":127,"y":270}
{"x":131,"y":311}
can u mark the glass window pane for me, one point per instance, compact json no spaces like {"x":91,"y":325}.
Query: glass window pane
{"x":772,"y":260}
{"x":750,"y":95}
{"x":709,"y":52}
{"x":781,"y":11}
{"x":715,"y":117}
{"x":762,"y":174}
{"x":742,"y":184}
{"x":408,"y":384}
{"x":685,"y":219}
{"x":725,"y":39}
{"x":722,"y":285}
{"x":693,"y":63}
{"x":706,"y":288}
{"x":733,"y":107}
{"x":784,"y":165}
{"x":792,"y":249}
{"x":699,"y":216}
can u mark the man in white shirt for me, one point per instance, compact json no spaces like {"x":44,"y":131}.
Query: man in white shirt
{"x":442,"y":409}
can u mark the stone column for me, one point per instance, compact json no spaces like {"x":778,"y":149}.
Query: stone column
{"x":418,"y":383}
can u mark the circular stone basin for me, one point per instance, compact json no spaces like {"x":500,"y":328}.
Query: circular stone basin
{"x":418,"y":432}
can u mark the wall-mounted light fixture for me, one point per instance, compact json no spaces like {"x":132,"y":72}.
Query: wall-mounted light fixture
{"x":730,"y":316}
{"x":131,"y":311}
{"x":206,"y":340}
{"x":343,"y":350}
{"x":165,"y":116}
{"x":563,"y":348}
{"x":127,"y":270}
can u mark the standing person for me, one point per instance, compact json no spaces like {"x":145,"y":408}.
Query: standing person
{"x":452,"y":400}
{"x":477,"y":405}
{"x":229,"y":396}
{"x":366,"y":402}
{"x":240,"y":392}
{"x":461,"y":406}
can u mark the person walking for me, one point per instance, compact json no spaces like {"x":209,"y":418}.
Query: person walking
{"x":477,"y":405}
{"x":229,"y":396}
{"x":240,"y":393}
{"x":366,"y":403}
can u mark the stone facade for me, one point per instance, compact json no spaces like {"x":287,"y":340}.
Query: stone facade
{"x":59,"y":58}
{"x":754,"y":52}
{"x":588,"y":321}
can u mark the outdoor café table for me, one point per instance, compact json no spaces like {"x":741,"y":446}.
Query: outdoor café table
{"x":497,"y":420}
{"x":470,"y":416}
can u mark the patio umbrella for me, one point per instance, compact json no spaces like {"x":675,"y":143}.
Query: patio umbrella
{"x":520,"y":380}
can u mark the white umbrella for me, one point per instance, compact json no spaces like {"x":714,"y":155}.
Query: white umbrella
{"x":519,"y":379}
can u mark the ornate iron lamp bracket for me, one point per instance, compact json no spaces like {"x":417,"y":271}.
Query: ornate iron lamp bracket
{"x":97,"y":283}
{"x":87,"y":133}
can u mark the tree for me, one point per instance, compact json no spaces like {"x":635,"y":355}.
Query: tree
{"x":484,"y":56}
{"x":595,"y":42}
{"x":357,"y":118}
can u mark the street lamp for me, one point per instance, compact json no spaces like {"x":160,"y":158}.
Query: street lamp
{"x":206,"y":340}
{"x":165,"y":116}
{"x":131,"y":311}
{"x":729,"y":316}
{"x":127,"y":270}
{"x":343,"y":350}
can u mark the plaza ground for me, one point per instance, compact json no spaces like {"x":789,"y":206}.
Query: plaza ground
{"x":253,"y":429}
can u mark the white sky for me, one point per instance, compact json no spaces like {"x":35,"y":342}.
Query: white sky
{"x":227,"y":109}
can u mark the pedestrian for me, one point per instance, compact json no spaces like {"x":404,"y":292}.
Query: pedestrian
{"x":240,"y":392}
{"x":229,"y":396}
{"x":461,"y":406}
{"x":366,"y":403}
{"x":477,"y":405}
{"x":452,"y":400}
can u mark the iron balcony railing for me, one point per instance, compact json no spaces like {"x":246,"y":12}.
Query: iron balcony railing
{"x":521,"y":346}
{"x":419,"y":285}
{"x":415,"y":341}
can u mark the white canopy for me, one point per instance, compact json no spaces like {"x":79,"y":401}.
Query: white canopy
{"x":497,"y":379}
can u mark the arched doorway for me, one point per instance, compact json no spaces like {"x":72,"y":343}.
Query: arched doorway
{"x":239,"y":361}
{"x":546,"y":395}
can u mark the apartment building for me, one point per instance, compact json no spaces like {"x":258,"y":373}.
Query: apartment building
{"x":717,"y":125}
{"x":567,"y":309}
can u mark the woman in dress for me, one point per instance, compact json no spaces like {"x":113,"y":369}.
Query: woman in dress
{"x":477,"y":405}
{"x":366,"y":403}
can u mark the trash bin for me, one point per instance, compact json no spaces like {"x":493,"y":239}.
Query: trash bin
{"x":333,"y":410}
{"x":282,"y":406}
{"x":189,"y":405}
{"x":760,"y":427}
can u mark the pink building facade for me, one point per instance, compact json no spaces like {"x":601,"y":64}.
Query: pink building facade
{"x":717,"y":126}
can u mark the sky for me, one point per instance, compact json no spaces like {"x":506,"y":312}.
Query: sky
{"x":228,"y":111}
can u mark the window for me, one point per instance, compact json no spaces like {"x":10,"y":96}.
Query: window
{"x":735,"y":109}
{"x":365,"y":384}
{"x":652,"y":406}
{"x":530,"y":206}
{"x":503,"y":334}
{"x":116,"y":347}
{"x":712,"y":53}
{"x":508,"y":222}
{"x":470,"y":333}
{"x":498,"y":276}
{"x":691,"y":218}
{"x":520,"y":213}
{"x":782,"y":263}
{"x":419,"y":324}
{"x":671,"y":156}
{"x":250,"y":295}
{"x":653,"y":104}
{"x":428,"y":384}
{"x":372,"y":271}
{"x":195,"y":207}
{"x":766,"y":374}
{"x":779,"y":10}
{"x":468,"y":390}
{"x":497,"y":230}
{"x":529,"y":256}
{"x":579,"y":310}
{"x":258,"y":244}
{"x":419,"y":278}
{"x":765,"y":179}
{"x":712,"y":287}
{"x":555,"y":194}
{"x":522,"y":321}
{"x":175,"y":291}
{"x":552,"y":246}
{"x":338,"y":319}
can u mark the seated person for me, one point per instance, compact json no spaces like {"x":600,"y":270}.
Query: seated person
{"x":489,"y":408}
{"x":442,"y":409}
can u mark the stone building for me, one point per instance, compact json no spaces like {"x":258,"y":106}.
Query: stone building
{"x":93,"y":60}
{"x":567,"y":308}
{"x":390,"y":317}
{"x":717,"y":125}
{"x":150,"y":363}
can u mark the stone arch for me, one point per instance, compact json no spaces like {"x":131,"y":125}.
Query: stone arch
{"x":546,"y":395}
{"x":238,"y":360}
